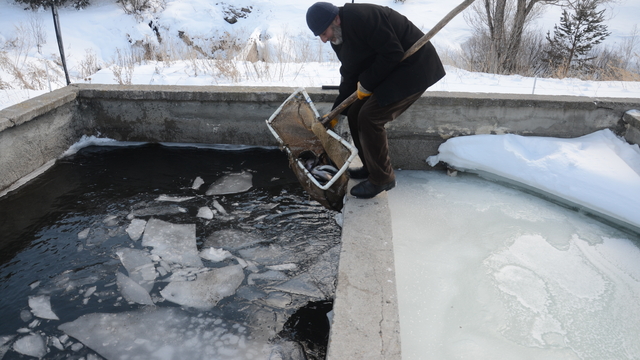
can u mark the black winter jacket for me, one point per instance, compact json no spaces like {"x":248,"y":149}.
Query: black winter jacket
{"x":374,"y":41}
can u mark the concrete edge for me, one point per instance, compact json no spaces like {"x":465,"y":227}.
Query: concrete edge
{"x":366,"y":322}
{"x":632,"y":120}
{"x":25,"y":111}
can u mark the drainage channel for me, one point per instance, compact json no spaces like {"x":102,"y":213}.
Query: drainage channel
{"x":119,"y":252}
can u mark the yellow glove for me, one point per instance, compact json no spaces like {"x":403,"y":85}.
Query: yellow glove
{"x":362,"y":92}
{"x":333,"y":123}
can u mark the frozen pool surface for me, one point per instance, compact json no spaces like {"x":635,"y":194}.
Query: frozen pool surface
{"x":120,"y":253}
{"x":489,"y":272}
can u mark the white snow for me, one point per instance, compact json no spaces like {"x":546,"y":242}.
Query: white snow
{"x":598,"y":171}
{"x":102,"y":32}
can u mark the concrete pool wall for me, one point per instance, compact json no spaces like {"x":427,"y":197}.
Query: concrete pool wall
{"x":366,"y":325}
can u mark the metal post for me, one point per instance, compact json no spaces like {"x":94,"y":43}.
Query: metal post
{"x":56,"y":25}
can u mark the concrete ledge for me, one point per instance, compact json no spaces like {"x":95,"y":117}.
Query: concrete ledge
{"x":366,"y":323}
{"x":28,"y":110}
{"x":632,"y":121}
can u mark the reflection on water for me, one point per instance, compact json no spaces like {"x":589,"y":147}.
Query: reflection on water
{"x":125,"y":248}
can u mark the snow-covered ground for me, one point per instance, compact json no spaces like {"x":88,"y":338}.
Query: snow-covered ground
{"x":96,"y":37}
{"x":528,"y":271}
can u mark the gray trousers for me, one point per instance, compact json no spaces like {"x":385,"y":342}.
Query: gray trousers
{"x":366,"y":123}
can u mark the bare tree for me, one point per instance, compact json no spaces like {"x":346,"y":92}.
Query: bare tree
{"x":504,"y":23}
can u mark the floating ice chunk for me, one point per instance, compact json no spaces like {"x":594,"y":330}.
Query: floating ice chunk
{"x":197,"y":183}
{"x":139,"y":266}
{"x":281,"y":267}
{"x":270,"y":275}
{"x":278,"y":299}
{"x":232,"y":239}
{"x":136,"y":228}
{"x":287,"y":350}
{"x":166,"y":333}
{"x":270,"y":255}
{"x":157,"y":210}
{"x":219,"y":207}
{"x":5,"y":344}
{"x":173,"y":198}
{"x":41,"y":307}
{"x":82,"y":235}
{"x":31,"y":345}
{"x":131,"y":291}
{"x":250,"y":293}
{"x":90,"y":291}
{"x":26,"y":316}
{"x":110,"y":220}
{"x":172,"y":242}
{"x":205,"y":213}
{"x":208,"y":288}
{"x":214,"y":254}
{"x":301,"y":285}
{"x":56,"y":343}
{"x":231,"y":184}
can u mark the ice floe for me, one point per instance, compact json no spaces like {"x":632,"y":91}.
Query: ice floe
{"x":232,"y":239}
{"x":205,"y":212}
{"x":231,"y":184}
{"x":136,"y":229}
{"x":31,"y":345}
{"x":131,"y":291}
{"x":139,"y":266}
{"x":207,"y":289}
{"x":172,"y":242}
{"x":214,"y":254}
{"x":41,"y":307}
{"x":171,"y":333}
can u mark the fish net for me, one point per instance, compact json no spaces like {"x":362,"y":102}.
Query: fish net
{"x":295,"y":125}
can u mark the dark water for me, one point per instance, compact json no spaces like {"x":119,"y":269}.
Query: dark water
{"x":98,"y":189}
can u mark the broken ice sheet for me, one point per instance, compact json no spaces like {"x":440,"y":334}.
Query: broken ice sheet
{"x":172,"y":242}
{"x":271,"y":255}
{"x":207,"y":289}
{"x":136,"y":228}
{"x":166,"y":333}
{"x":232,"y":239}
{"x":41,"y":307}
{"x":197,"y":183}
{"x":131,"y":291}
{"x":214,"y":254}
{"x":233,"y":183}
{"x":270,"y":275}
{"x":205,"y":213}
{"x":169,"y":198}
{"x":139,"y":266}
{"x":31,"y":345}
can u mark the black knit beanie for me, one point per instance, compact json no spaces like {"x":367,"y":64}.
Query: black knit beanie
{"x":320,"y":15}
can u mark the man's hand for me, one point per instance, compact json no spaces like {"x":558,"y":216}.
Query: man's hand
{"x":362,"y":92}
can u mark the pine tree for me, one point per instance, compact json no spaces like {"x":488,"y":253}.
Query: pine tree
{"x":577,"y":34}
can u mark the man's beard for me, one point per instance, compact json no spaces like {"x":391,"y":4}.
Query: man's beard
{"x":337,"y":34}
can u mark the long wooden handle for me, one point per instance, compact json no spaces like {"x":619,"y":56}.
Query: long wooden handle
{"x":420,"y":43}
